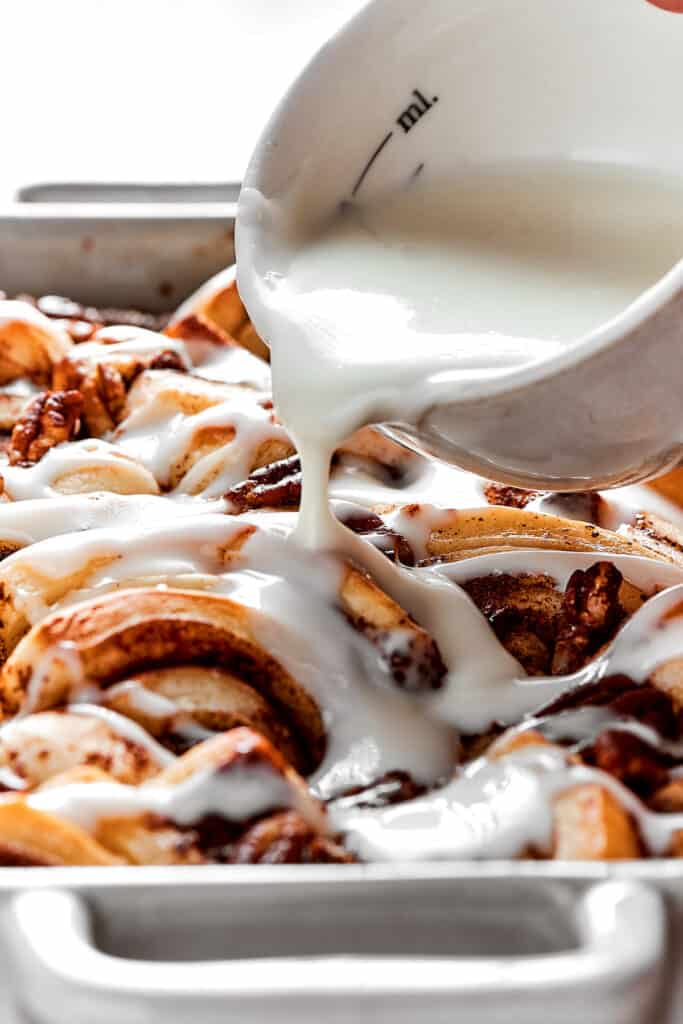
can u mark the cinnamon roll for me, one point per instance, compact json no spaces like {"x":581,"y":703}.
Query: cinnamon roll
{"x":231,"y":799}
{"x":30,"y":343}
{"x":217,"y":313}
{"x":36,"y":747}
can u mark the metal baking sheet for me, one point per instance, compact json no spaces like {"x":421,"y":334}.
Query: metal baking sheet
{"x":134,"y":192}
{"x":143,"y":255}
{"x":495,"y":922}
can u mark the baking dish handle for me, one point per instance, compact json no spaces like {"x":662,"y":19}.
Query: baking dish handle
{"x":611,"y":975}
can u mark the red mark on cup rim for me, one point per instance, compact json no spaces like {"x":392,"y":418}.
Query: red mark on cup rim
{"x":669,"y":5}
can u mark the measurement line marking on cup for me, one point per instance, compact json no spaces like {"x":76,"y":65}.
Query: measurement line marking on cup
{"x":407,"y":119}
{"x":371,"y":161}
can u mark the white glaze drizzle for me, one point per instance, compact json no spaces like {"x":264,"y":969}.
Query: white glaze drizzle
{"x":155,"y":705}
{"x":130,"y":342}
{"x":21,"y":388}
{"x":14,"y":311}
{"x":235,"y":795}
{"x":582,"y":726}
{"x":160,"y":439}
{"x":372,"y":727}
{"x":124,"y":727}
{"x":37,"y":519}
{"x":68,"y":462}
{"x":492,"y":809}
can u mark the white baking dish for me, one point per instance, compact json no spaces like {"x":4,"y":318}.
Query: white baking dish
{"x":492,"y":942}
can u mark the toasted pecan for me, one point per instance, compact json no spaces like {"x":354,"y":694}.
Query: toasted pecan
{"x":277,"y":485}
{"x":591,"y":613}
{"x":104,"y":384}
{"x":49,"y":419}
{"x":103,"y":389}
{"x":547,"y":631}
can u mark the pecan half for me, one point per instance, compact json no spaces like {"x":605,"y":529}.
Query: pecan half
{"x":49,"y":419}
{"x":277,"y":485}
{"x":103,"y":390}
{"x":547,"y":631}
{"x":591,"y":613}
{"x":104,"y":385}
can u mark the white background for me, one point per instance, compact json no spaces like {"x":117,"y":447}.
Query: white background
{"x":146,"y":90}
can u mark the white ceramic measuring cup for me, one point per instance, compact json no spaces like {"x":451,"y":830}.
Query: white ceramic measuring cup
{"x":458,"y":83}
